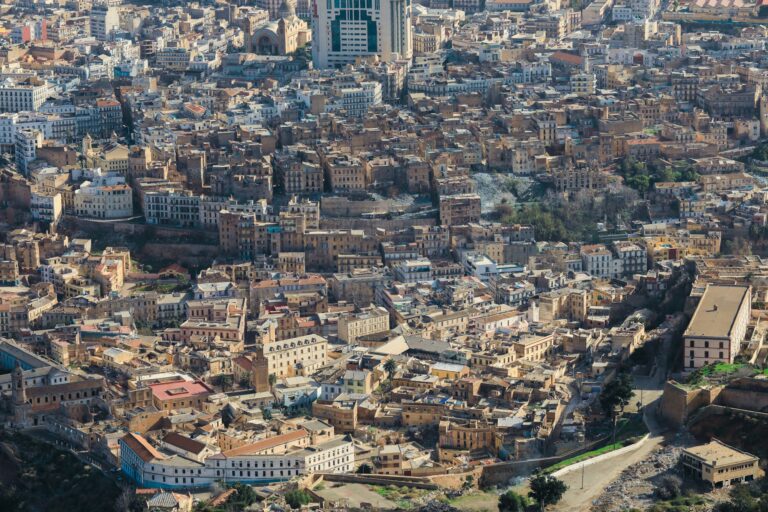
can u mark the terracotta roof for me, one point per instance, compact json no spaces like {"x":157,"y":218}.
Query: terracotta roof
{"x":243,"y":362}
{"x":265,"y":444}
{"x":141,"y":447}
{"x":566,"y":57}
{"x":183,"y":442}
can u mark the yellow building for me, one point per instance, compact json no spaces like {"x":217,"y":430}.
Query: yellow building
{"x":719,"y":464}
{"x":449,"y":371}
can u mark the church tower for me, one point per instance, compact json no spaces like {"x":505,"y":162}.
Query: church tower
{"x":21,"y":408}
{"x":260,"y":372}
{"x":764,"y":115}
{"x":17,"y":386}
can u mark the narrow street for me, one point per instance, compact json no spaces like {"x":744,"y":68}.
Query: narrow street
{"x":596,"y":477}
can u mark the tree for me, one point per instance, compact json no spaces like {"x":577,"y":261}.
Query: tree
{"x":364,"y":469}
{"x":244,"y":497}
{"x":266,"y":413}
{"x":225,"y":381}
{"x":272,"y":382}
{"x":547,"y":490}
{"x":297,"y":498}
{"x":669,"y":487}
{"x":510,"y":501}
{"x":617,"y":394}
{"x":390,"y":366}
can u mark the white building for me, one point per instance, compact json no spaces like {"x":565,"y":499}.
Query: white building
{"x":105,"y":197}
{"x":296,"y":356}
{"x":343,"y":30}
{"x":273,"y":459}
{"x":104,"y":20}
{"x":23,"y":95}
{"x":46,"y":207}
{"x":176,"y":207}
{"x":173,"y":58}
{"x":26,"y":144}
{"x":413,"y":271}
{"x":634,"y":258}
{"x":357,"y":100}
{"x":480,"y":266}
{"x":598,"y":260}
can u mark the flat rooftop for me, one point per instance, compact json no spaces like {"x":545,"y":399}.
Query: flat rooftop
{"x":717,"y":453}
{"x":717,"y":310}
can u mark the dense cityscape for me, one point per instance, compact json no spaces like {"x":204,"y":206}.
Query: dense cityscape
{"x":341,"y":255}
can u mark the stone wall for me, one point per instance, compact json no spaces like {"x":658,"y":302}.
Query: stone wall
{"x":371,"y":225}
{"x":746,"y":393}
{"x":677,"y":402}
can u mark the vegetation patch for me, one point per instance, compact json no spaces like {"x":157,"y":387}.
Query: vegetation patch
{"x":37,"y":477}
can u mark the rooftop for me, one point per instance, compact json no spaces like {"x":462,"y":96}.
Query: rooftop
{"x":717,"y":453}
{"x":717,"y":311}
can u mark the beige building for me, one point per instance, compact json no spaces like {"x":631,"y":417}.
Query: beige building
{"x":295,"y":356}
{"x":719,"y":464}
{"x":372,"y":320}
{"x":459,"y":209}
{"x":210,"y":318}
{"x":718,"y":326}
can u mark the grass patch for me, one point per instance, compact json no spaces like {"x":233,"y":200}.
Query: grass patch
{"x":476,"y":501}
{"x":720,"y":372}
{"x":584,"y":456}
{"x":721,"y":368}
{"x":679,"y":504}
{"x":629,"y":430}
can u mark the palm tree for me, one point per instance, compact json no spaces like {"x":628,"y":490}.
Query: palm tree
{"x":390,"y":366}
{"x":272,"y":382}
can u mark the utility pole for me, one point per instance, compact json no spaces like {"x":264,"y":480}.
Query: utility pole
{"x":584,"y":462}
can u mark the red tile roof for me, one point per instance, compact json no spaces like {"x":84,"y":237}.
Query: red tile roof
{"x":141,"y":447}
{"x":179,"y":389}
{"x":265,"y":444}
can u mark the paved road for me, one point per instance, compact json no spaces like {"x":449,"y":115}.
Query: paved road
{"x":597,"y":476}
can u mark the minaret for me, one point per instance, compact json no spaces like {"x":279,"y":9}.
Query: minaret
{"x":21,"y":408}
{"x":764,"y":115}
{"x":17,"y":386}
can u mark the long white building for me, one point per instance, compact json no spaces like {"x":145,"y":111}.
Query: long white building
{"x":343,"y":30}
{"x":274,"y":459}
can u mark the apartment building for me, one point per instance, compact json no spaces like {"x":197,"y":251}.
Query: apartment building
{"x":28,"y":94}
{"x":718,"y":326}
{"x":719,"y":464}
{"x":104,"y":197}
{"x":371,"y":320}
{"x":295,"y":356}
{"x":413,"y":271}
{"x":459,"y":209}
{"x":224,"y":318}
